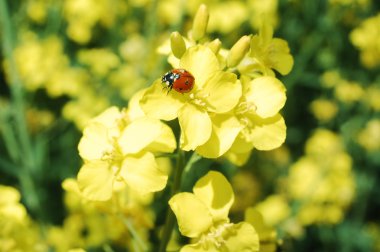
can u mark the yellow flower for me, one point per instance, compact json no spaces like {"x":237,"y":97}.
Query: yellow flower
{"x":203,"y":216}
{"x":237,"y":14}
{"x":372,"y":97}
{"x":37,"y":10}
{"x":118,"y":151}
{"x":369,"y":137}
{"x":348,"y":91}
{"x":267,"y":53}
{"x":366,"y":39}
{"x":262,"y":127}
{"x":83,"y":15}
{"x":84,"y":107}
{"x":101,"y":61}
{"x":10,"y":207}
{"x":200,"y":112}
{"x":18,"y":232}
{"x":321,"y":182}
{"x":92,"y":223}
{"x":266,"y":233}
{"x":263,"y":10}
{"x":323,"y":109}
{"x":274,"y":209}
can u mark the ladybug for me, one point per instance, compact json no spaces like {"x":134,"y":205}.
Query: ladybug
{"x":180,"y":80}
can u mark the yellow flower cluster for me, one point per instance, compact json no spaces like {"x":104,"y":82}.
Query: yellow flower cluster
{"x":15,"y":224}
{"x":235,"y":103}
{"x":91,"y":224}
{"x":83,"y":15}
{"x":366,"y":38}
{"x":322,"y":180}
{"x":203,"y":216}
{"x":318,"y":189}
{"x":233,"y":108}
{"x":345,"y":92}
{"x":119,"y":152}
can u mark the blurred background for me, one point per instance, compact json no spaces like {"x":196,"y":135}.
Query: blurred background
{"x":63,"y":62}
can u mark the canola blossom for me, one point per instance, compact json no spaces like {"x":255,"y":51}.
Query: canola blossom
{"x":189,"y":126}
{"x":120,"y":153}
{"x":203,"y":215}
{"x":215,"y":92}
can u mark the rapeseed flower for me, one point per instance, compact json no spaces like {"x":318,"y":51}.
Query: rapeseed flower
{"x":118,"y":152}
{"x":267,"y":54}
{"x":83,"y":15}
{"x":202,"y":111}
{"x":42,"y":63}
{"x":261,"y":126}
{"x":18,"y":231}
{"x":101,"y":61}
{"x":323,"y":109}
{"x":203,"y":216}
{"x":260,"y":10}
{"x":266,"y":233}
{"x":322,"y":181}
{"x":92,"y":223}
{"x":366,"y":39}
{"x":369,"y":137}
{"x":225,"y":112}
{"x":83,"y":108}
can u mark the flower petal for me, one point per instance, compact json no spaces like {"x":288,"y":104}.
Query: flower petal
{"x":195,"y":125}
{"x":201,"y":62}
{"x":237,"y":159}
{"x":268,"y":95}
{"x":193,"y":217}
{"x":241,"y":144}
{"x":139,"y":134}
{"x":216,"y":193}
{"x":223,"y":91}
{"x":95,"y":142}
{"x":142,"y":174}
{"x":281,"y":59}
{"x":243,"y":238}
{"x":95,"y":180}
{"x":108,"y":117}
{"x":165,"y":142}
{"x":225,"y":128}
{"x":134,"y":109}
{"x":198,"y":247}
{"x":268,"y":133}
{"x":159,"y":104}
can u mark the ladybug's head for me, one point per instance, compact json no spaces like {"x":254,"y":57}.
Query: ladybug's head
{"x":169,"y":78}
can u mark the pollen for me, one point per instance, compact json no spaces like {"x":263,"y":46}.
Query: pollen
{"x":245,"y":107}
{"x":198,"y":99}
{"x":215,"y":236}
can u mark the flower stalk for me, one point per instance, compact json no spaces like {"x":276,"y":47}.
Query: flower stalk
{"x":170,"y":218}
{"x":17,"y":119}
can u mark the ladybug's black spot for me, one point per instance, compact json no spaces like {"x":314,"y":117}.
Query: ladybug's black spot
{"x":187,"y":82}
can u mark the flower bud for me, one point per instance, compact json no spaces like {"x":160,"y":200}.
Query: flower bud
{"x":177,"y":44}
{"x":238,"y":51}
{"x":215,"y":45}
{"x":200,"y":22}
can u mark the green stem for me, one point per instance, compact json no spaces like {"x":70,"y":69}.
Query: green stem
{"x":170,"y":218}
{"x":135,"y":234}
{"x":25,"y":158}
{"x":8,"y":135}
{"x":16,"y":87}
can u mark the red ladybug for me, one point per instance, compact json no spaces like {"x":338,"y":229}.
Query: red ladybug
{"x":180,"y":80}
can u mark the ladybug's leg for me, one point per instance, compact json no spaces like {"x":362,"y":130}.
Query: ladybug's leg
{"x":170,"y":87}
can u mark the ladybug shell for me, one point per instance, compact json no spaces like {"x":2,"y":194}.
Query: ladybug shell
{"x":185,"y":81}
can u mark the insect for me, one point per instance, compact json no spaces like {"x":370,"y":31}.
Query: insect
{"x":180,"y":80}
